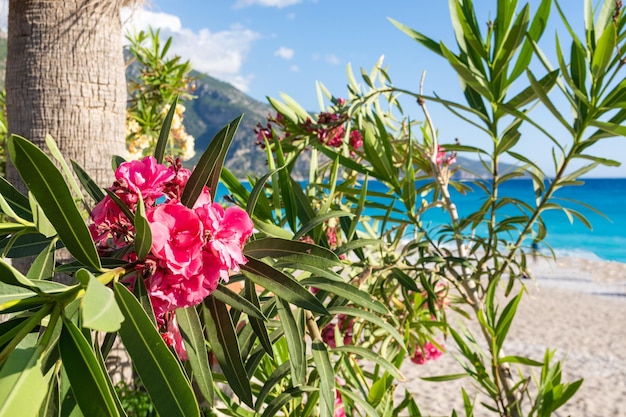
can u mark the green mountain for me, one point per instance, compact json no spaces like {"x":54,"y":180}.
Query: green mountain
{"x":216,"y":104}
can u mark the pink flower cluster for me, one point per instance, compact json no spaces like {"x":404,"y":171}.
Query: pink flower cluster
{"x":329,"y":129}
{"x":444,"y":157}
{"x":426,"y":353}
{"x":192,"y":248}
{"x":344,"y":325}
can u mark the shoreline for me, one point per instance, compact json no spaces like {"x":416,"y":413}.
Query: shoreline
{"x":573,"y":306}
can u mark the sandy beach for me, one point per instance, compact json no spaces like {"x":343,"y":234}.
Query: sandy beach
{"x":574,"y":306}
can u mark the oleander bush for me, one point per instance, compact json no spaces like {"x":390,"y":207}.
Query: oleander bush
{"x":307,"y":298}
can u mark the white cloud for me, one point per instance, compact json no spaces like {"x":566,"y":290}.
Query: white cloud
{"x":266,"y":3}
{"x":294,"y":68}
{"x":332,"y":59}
{"x":219,"y":54}
{"x":284,"y":53}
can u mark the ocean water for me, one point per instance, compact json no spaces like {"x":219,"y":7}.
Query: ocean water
{"x":606,"y":240}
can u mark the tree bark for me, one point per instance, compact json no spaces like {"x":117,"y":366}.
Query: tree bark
{"x":65,"y":77}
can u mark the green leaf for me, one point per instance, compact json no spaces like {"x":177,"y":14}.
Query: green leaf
{"x":164,"y":134}
{"x":278,"y":248}
{"x":143,"y":233}
{"x":12,"y":276}
{"x":274,"y":407}
{"x":258,"y":325}
{"x":369,"y":355}
{"x":603,"y":53}
{"x":157,"y":367}
{"x":87,"y":378}
{"x":320,"y":219}
{"x":520,"y":360}
{"x":443,"y":378}
{"x":347,"y":291}
{"x":231,"y":298}
{"x":99,"y":310}
{"x":48,"y":186}
{"x":43,"y":266}
{"x":208,"y":163}
{"x":93,"y":189}
{"x":424,"y":40}
{"x":371,"y":317}
{"x":22,"y":385}
{"x":56,"y":154}
{"x":327,"y":378}
{"x":18,"y":201}
{"x":193,"y":338}
{"x":282,"y":285}
{"x":223,"y":340}
{"x":294,"y":336}
{"x":30,"y":244}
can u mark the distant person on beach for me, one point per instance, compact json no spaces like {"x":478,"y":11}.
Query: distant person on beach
{"x":535,"y":250}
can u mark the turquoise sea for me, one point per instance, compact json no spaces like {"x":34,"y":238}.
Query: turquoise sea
{"x":605,"y":241}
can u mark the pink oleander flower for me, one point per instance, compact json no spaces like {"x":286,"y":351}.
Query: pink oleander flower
{"x":173,"y":338}
{"x":176,"y":237}
{"x":337,"y":135}
{"x":192,"y":248}
{"x":445,"y":158}
{"x":145,"y":177}
{"x":340,"y":411}
{"x":344,"y":325}
{"x":225,"y":231}
{"x":423,"y":354}
{"x":356,"y":139}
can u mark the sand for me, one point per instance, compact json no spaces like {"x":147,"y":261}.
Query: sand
{"x":574,"y":306}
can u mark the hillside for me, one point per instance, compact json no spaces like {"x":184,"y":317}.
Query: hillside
{"x":216,"y":104}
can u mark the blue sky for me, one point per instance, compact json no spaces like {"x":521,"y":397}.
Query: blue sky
{"x":268,"y":47}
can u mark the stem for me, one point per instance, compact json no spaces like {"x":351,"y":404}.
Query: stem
{"x":503,"y":373}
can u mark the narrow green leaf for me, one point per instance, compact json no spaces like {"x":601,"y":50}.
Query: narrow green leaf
{"x":369,"y":355}
{"x":143,"y":233}
{"x":43,"y":265}
{"x":278,"y":248}
{"x":258,"y":325}
{"x":294,"y":335}
{"x":520,"y":360}
{"x":30,"y":244}
{"x":12,"y":276}
{"x":371,"y":317}
{"x":18,"y":201}
{"x":236,"y":301}
{"x":327,"y":378}
{"x":208,"y":163}
{"x":99,"y":310}
{"x":48,"y":186}
{"x":164,"y":134}
{"x":320,"y":219}
{"x":157,"y":367}
{"x":443,"y":378}
{"x":347,"y":291}
{"x":282,"y":285}
{"x":424,"y":40}
{"x":223,"y":340}
{"x":56,"y":154}
{"x":195,"y":345}
{"x":22,"y":385}
{"x":274,"y":407}
{"x":87,"y":378}
{"x":603,"y":52}
{"x":92,"y":188}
